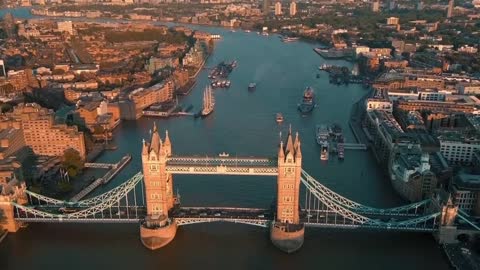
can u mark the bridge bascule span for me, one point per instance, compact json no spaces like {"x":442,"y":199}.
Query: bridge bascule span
{"x":301,"y":201}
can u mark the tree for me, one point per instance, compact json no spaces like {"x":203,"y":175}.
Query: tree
{"x":72,"y":162}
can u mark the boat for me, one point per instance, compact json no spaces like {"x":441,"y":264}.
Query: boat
{"x":264,"y":33}
{"x":252,"y":86}
{"x":279,"y":118}
{"x":341,"y":148}
{"x":290,"y":39}
{"x":324,"y":151}
{"x":208,"y":101}
{"x":227,"y":84}
{"x":308,"y":102}
{"x":321,"y":134}
{"x":247,"y":31}
{"x":224,"y":154}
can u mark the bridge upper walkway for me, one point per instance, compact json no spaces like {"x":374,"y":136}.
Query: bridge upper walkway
{"x":222,"y":165}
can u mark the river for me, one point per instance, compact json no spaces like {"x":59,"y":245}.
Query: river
{"x":243,"y":123}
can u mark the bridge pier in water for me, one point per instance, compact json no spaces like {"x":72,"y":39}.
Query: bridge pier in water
{"x":286,"y":230}
{"x":158,"y":229}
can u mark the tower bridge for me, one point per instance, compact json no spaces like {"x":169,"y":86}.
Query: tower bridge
{"x":148,"y":200}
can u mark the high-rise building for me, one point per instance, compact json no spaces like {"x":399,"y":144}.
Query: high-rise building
{"x":450,"y":9}
{"x":41,"y":133}
{"x":376,"y":6}
{"x":278,"y":8}
{"x":293,"y":8}
{"x":266,"y":7}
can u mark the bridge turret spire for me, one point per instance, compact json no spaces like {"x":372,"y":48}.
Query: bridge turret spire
{"x":144,"y":147}
{"x":156,"y":142}
{"x":298,"y":152}
{"x":290,"y":148}
{"x":281,"y":152}
{"x":167,"y":145}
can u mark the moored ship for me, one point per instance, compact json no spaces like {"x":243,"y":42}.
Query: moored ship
{"x":279,"y":118}
{"x":290,"y":39}
{"x":208,"y":101}
{"x":341,"y":148}
{"x":308,"y":102}
{"x":322,"y":134}
{"x":324,"y":151}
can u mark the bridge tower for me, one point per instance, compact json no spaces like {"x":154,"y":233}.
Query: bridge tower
{"x":447,"y":231}
{"x":158,"y":229}
{"x":287,"y":231}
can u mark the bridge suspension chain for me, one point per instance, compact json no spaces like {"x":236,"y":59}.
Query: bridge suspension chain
{"x":46,"y":199}
{"x":357,"y":207}
{"x":100,"y":198}
{"x":363,"y":220}
{"x":115,"y":196}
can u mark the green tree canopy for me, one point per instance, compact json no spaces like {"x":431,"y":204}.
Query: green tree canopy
{"x":72,"y":162}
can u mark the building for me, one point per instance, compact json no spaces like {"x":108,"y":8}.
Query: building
{"x":11,"y":140}
{"x":393,"y":20}
{"x":278,"y":8}
{"x":458,"y":148}
{"x":468,"y":88}
{"x":379,"y":101}
{"x":3,"y":73}
{"x":385,"y":132}
{"x":432,"y":96}
{"x":293,"y":8}
{"x":392,"y":5}
{"x":450,"y":8}
{"x":65,"y":26}
{"x":361,"y":50}
{"x":435,"y":121}
{"x":156,"y":63}
{"x":266,"y":7}
{"x":376,"y":6}
{"x":144,"y":98}
{"x":465,"y":189}
{"x":9,"y":25}
{"x":410,"y":173}
{"x":40,"y":131}
{"x":435,"y":106}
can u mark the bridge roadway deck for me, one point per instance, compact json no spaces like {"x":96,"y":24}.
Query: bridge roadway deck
{"x":191,"y":215}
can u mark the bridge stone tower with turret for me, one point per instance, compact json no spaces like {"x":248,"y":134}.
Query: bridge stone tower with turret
{"x":287,"y":231}
{"x":158,"y":229}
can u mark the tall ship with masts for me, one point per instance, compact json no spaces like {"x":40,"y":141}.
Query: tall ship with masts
{"x":208,"y":101}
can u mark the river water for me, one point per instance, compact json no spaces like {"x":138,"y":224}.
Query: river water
{"x":242,"y":124}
